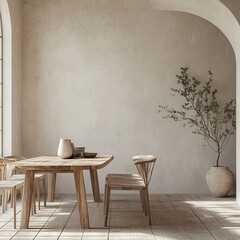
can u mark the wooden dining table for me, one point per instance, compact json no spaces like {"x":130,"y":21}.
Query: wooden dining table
{"x":54,"y":164}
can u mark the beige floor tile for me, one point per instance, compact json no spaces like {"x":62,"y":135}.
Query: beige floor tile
{"x":174,"y":217}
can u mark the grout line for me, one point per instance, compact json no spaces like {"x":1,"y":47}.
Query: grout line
{"x":50,"y":217}
{"x":11,"y":219}
{"x":171,"y":203}
{"x":214,"y":215}
{"x":67,"y":221}
{"x":202,"y":222}
{"x":9,"y":222}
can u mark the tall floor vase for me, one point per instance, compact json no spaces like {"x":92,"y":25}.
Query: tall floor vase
{"x":220,"y":181}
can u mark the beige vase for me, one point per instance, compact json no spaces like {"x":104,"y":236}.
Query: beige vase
{"x":220,"y":181}
{"x":65,"y":148}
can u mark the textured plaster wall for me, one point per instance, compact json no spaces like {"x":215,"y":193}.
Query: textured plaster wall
{"x":95,"y":72}
{"x":15,"y":8}
{"x":234,"y":7}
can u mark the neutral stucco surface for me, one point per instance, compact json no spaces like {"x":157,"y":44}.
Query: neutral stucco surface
{"x":95,"y":72}
{"x":234,"y":7}
{"x":15,"y":8}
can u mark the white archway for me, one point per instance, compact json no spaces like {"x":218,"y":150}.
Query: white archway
{"x":218,"y":14}
{"x":7,"y":77}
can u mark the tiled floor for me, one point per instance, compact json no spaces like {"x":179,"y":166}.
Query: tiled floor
{"x":174,"y":217}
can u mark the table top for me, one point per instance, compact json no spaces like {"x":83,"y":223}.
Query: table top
{"x":9,"y":159}
{"x":51,"y":163}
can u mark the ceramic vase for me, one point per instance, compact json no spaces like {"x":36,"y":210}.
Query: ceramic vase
{"x":220,"y":181}
{"x":65,"y":148}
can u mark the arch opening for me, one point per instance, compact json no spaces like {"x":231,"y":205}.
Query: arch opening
{"x":219,"y":15}
{"x":7,"y":77}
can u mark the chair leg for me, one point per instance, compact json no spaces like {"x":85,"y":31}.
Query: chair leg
{"x":11,"y":194}
{"x":108,"y":192}
{"x":14,"y":197}
{"x":6,"y":200}
{"x":32,"y":204}
{"x":32,"y":208}
{"x":21,"y":192}
{"x":38,"y":193}
{"x":44,"y":191}
{"x":105,"y":199}
{"x":148,"y":206}
{"x":34,"y":211}
{"x":3,"y":201}
{"x":143,"y":201}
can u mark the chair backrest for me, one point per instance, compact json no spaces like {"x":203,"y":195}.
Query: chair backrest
{"x":8,"y":159}
{"x":142,"y":157}
{"x":2,"y":170}
{"x":145,"y":165}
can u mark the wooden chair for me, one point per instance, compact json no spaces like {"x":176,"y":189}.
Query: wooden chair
{"x":39,"y":177}
{"x":140,"y":181}
{"x":12,"y":186}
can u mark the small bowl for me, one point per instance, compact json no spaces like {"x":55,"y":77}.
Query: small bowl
{"x":79,"y":150}
{"x":89,"y":155}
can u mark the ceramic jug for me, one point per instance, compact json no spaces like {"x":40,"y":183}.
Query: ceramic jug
{"x":65,"y":148}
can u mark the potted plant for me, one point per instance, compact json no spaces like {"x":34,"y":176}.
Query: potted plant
{"x":202,"y":112}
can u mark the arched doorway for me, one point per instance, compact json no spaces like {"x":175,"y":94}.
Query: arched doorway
{"x":218,"y":14}
{"x":7,"y":77}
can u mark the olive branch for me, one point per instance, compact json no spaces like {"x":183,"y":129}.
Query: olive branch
{"x":202,"y":112}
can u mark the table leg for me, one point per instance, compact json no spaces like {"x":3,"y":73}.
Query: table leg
{"x":95,"y":185}
{"x":81,"y":198}
{"x":51,"y":186}
{"x":27,"y":198}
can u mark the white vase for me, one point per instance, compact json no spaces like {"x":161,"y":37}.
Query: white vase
{"x":220,"y":181}
{"x":65,"y":148}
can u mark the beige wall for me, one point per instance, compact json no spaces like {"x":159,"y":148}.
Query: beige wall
{"x":15,"y":8}
{"x":234,"y":7}
{"x":95,"y":72}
